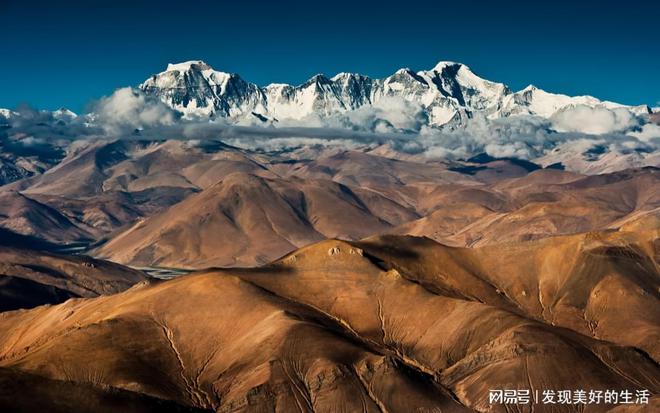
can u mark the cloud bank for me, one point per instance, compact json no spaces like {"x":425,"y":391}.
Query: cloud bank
{"x":130,"y":114}
{"x":594,"y":121}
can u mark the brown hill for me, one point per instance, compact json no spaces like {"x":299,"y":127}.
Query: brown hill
{"x":540,"y":204}
{"x":29,"y":278}
{"x":405,"y":182}
{"x":27,"y":216}
{"x":137,"y":193}
{"x":392,"y":324}
{"x":601,"y":284}
{"x":95,"y":167}
{"x":246,"y":219}
{"x":101,"y":186}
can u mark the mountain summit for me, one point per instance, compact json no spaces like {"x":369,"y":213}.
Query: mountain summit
{"x":449,"y":93}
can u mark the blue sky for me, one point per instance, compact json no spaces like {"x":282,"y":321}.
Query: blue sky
{"x":68,"y":53}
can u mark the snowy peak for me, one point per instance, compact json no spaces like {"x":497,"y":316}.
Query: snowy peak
{"x":347,"y":77}
{"x":64,"y":114}
{"x":197,"y":90}
{"x":449,"y":93}
{"x":189,"y":65}
{"x":441,"y":65}
{"x":7,"y":113}
{"x":534,"y":101}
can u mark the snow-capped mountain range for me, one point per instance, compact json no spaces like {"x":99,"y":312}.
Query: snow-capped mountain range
{"x":446,"y":112}
{"x":449,"y":93}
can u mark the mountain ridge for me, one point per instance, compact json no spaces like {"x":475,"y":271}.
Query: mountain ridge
{"x":388,"y":324}
{"x":450,"y":93}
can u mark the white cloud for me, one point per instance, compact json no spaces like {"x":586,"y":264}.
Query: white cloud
{"x":650,"y":131}
{"x":403,"y":127}
{"x":128,"y":109}
{"x":594,"y":121}
{"x":389,"y":114}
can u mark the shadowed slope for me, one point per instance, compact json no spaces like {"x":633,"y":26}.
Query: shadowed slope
{"x":27,"y":216}
{"x":37,"y":393}
{"x":29,"y":278}
{"x":604,"y":285}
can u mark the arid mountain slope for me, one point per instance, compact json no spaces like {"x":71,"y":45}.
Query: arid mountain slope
{"x":246,"y":219}
{"x":394,"y":324}
{"x":29,"y":278}
{"x":204,"y":203}
{"x":26,"y":216}
{"x":101,"y":186}
{"x":540,"y":204}
{"x":601,"y":284}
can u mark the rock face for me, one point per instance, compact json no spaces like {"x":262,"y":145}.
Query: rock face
{"x":391,"y":324}
{"x":449,"y":93}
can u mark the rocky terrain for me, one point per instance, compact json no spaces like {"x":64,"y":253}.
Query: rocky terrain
{"x":183,"y":204}
{"x":385,"y":324}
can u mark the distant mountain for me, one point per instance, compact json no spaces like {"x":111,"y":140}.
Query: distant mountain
{"x":246,"y":220}
{"x":449,"y":93}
